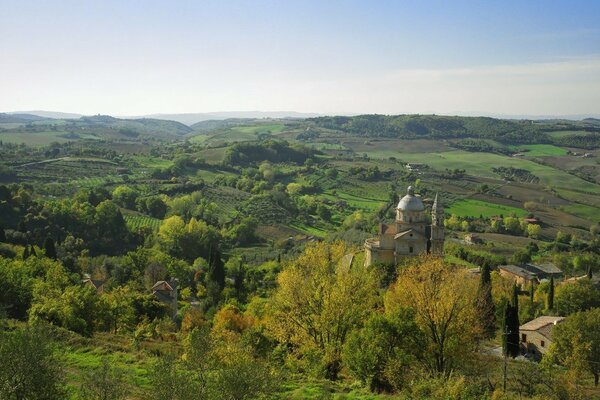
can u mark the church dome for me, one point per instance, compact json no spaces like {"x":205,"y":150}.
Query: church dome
{"x":410,"y":202}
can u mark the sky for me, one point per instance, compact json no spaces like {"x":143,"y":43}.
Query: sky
{"x":141,"y":57}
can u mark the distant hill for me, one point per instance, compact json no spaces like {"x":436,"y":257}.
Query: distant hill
{"x":6,"y":118}
{"x":49,"y":114}
{"x":435,"y":126}
{"x":193,"y":118}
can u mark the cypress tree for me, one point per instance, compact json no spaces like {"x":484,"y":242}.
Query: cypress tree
{"x":49,"y":248}
{"x":531,"y":291}
{"x":32,"y":251}
{"x":485,"y":303}
{"x":2,"y":234}
{"x":216,"y":272}
{"x":510,"y":331}
{"x":590,"y":273}
{"x":515,"y":298}
{"x":550,"y":299}
{"x":26,"y":253}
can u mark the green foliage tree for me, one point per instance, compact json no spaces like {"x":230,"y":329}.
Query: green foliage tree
{"x":2,"y":234}
{"x":380,"y":353}
{"x":572,"y":297}
{"x":125,"y":196}
{"x":577,"y":342}
{"x":30,"y":370}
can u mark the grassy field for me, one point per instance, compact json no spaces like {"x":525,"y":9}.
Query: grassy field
{"x":257,"y":129}
{"x":541,"y":150}
{"x":583,"y":211}
{"x":355,"y":201}
{"x":475,"y":208}
{"x":40,"y":138}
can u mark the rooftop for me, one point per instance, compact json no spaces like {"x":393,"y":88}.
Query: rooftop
{"x":540,"y":322}
{"x":513,"y":269}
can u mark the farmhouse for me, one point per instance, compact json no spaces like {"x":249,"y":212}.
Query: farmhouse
{"x":410,"y":235}
{"x":528,"y":273}
{"x":518,"y":274}
{"x":166,"y":292}
{"x":536,"y":335}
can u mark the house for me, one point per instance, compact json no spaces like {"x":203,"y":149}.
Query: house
{"x":536,"y":335}
{"x":95,"y":284}
{"x":166,"y":292}
{"x":518,"y":274}
{"x":410,"y":235}
{"x":545,"y":270}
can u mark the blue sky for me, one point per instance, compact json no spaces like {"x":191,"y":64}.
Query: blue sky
{"x":141,"y":57}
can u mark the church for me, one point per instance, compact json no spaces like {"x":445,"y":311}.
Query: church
{"x":410,"y":235}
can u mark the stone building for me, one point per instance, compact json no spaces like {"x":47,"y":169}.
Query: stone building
{"x":536,"y":335}
{"x":410,"y":235}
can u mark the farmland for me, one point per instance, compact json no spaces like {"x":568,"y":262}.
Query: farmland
{"x":475,"y":208}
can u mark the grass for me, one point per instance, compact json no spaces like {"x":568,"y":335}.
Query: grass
{"x":542,"y":150}
{"x":355,"y":201}
{"x":475,"y":208}
{"x":256,"y":129}
{"x":583,"y":211}
{"x":309,"y":230}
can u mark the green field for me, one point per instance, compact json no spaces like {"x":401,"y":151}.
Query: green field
{"x":541,"y":150}
{"x":256,"y":129}
{"x":355,"y":201}
{"x":40,"y":138}
{"x":583,"y":211}
{"x":475,"y":208}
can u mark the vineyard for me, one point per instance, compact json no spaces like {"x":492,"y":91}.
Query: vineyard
{"x":135,"y":221}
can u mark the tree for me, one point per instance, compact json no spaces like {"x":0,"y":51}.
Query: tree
{"x":49,"y":248}
{"x":533,"y":230}
{"x":521,"y":257}
{"x":443,"y":299}
{"x":322,"y":296}
{"x":510,"y":327}
{"x":550,"y":298}
{"x":572,"y":297}
{"x":26,"y":253}
{"x":485,"y":303}
{"x":577,"y":342}
{"x":125,"y":196}
{"x":2,"y":234}
{"x":379,"y":353}
{"x":103,"y":383}
{"x":30,"y":369}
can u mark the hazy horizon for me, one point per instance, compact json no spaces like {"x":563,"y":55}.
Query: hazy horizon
{"x":353,"y":57}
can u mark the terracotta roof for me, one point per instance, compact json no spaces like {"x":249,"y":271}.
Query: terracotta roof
{"x":540,"y":322}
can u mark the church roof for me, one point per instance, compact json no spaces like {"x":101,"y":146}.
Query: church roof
{"x":410,"y":202}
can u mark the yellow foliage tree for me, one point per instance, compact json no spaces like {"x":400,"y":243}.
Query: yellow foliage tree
{"x":443,"y":299}
{"x":321,"y":297}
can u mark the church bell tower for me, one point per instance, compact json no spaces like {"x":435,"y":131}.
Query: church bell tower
{"x":437,"y":227}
